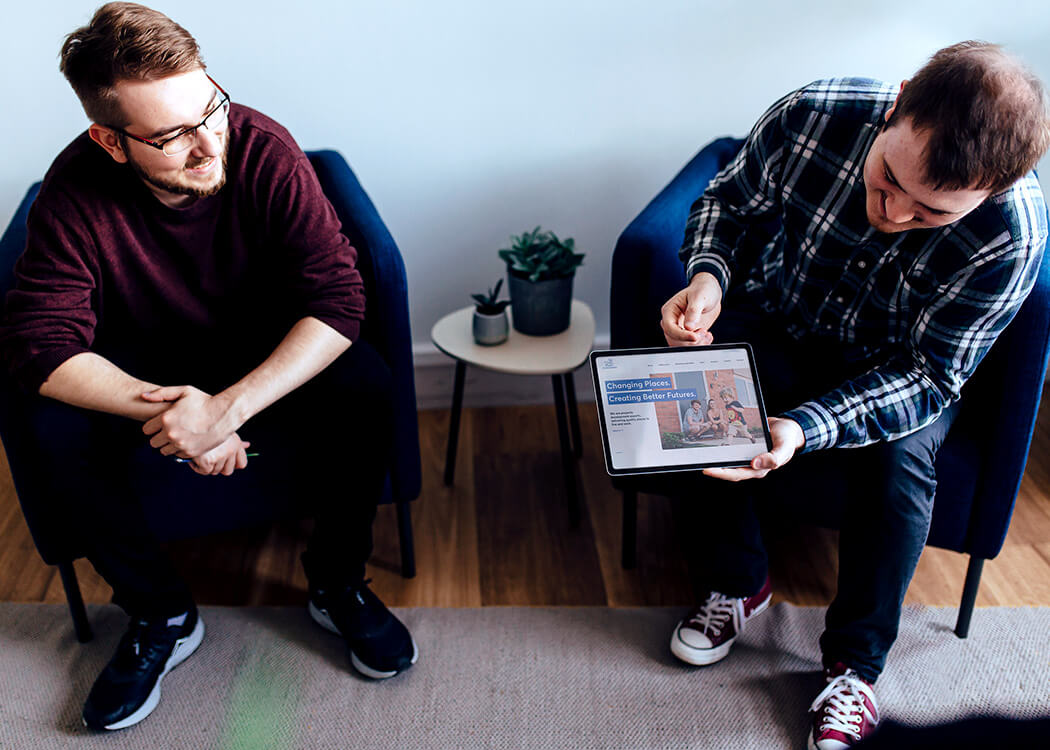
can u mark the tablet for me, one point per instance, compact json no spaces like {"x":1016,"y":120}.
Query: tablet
{"x":679,"y":408}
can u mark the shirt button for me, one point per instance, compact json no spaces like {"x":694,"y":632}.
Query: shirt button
{"x":840,"y":300}
{"x":862,"y":264}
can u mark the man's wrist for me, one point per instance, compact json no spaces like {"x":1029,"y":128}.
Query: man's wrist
{"x":707,"y":280}
{"x":236,"y":409}
{"x":712,"y":266}
{"x":800,"y":435}
{"x":819,"y":429}
{"x":703,"y":277}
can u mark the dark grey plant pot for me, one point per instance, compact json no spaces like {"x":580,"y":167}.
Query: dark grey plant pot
{"x":541,"y":308}
{"x":490,"y":330}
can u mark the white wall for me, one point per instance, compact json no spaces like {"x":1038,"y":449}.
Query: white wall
{"x":469,"y":120}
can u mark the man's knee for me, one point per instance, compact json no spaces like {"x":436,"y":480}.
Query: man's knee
{"x":47,"y":426}
{"x":349,"y":401}
{"x":359,"y":375}
{"x":901,"y":475}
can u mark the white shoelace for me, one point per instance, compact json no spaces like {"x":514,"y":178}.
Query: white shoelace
{"x":846,"y":710}
{"x":713,"y":615}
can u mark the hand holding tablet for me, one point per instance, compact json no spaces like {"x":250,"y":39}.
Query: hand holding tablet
{"x":787,"y":438}
{"x":680,"y":409}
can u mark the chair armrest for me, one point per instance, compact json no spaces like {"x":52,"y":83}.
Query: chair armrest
{"x":1006,"y":388}
{"x":13,"y":242}
{"x":386,"y":325}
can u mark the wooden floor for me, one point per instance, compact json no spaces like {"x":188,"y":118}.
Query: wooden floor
{"x":501,"y":536}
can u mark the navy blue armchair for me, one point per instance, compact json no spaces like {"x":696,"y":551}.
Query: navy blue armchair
{"x":977,"y":478}
{"x":262,"y":495}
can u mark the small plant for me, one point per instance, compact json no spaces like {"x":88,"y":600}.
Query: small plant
{"x":539,"y":256}
{"x":669,"y":440}
{"x":489,"y":304}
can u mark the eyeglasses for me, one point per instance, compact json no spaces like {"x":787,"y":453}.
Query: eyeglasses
{"x":214,"y":120}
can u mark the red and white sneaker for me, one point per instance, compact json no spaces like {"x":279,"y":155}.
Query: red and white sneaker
{"x":844,"y":713}
{"x":705,"y":635}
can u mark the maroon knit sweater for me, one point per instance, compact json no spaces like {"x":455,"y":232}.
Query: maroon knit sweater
{"x":168,"y":293}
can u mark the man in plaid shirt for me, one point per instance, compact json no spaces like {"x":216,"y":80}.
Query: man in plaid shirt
{"x":871,"y":243}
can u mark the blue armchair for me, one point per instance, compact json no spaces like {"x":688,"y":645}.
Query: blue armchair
{"x":260,"y":496}
{"x":978,"y":478}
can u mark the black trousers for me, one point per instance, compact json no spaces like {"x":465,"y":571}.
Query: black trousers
{"x":882,"y":493}
{"x":324,"y":451}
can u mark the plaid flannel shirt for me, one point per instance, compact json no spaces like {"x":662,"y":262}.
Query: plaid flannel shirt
{"x":923,"y":306}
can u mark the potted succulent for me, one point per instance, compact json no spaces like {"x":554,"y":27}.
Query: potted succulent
{"x":490,"y":317}
{"x":540,"y":270}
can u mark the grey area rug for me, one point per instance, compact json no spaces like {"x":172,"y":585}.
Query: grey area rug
{"x":507,"y":678}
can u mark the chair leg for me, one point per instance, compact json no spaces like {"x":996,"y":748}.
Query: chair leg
{"x":76,"y":602}
{"x":404,"y":532}
{"x":973,"y":580}
{"x":568,"y":466}
{"x":630,"y":529}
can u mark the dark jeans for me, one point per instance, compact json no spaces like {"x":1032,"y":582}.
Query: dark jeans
{"x":881,"y":493}
{"x":324,"y":451}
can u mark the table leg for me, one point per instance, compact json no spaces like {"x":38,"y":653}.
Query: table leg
{"x":453,"y":426}
{"x":574,"y":415}
{"x":567,"y":464}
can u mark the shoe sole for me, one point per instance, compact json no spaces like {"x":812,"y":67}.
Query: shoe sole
{"x":702,"y":657}
{"x":698,"y":657}
{"x":321,"y":617}
{"x":184,"y":648}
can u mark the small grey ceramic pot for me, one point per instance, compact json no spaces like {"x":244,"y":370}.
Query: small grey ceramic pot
{"x":490,"y":330}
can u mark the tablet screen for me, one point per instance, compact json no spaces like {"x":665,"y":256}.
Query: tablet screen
{"x":677,"y":409}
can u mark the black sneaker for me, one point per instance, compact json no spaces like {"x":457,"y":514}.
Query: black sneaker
{"x":380,"y":645}
{"x":128,"y":689}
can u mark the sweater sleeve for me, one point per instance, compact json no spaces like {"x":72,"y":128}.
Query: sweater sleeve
{"x":49,"y":314}
{"x":322,"y":277}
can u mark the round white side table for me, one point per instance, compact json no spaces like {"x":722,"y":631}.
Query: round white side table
{"x":520,"y":354}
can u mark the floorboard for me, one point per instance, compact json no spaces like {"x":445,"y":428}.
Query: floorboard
{"x":500,"y":536}
{"x":527,"y":552}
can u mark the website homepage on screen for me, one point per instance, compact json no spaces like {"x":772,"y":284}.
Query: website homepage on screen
{"x":679,"y":408}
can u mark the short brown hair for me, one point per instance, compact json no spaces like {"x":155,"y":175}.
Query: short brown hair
{"x":124,"y":41}
{"x":985,"y":115}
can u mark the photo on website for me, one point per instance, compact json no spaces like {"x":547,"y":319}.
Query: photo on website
{"x":669,"y":409}
{"x":720,"y":414}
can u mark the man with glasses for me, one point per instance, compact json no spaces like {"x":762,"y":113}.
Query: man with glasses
{"x":183,"y":269}
{"x":174,"y":142}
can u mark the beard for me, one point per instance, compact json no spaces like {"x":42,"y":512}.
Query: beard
{"x":181,"y":188}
